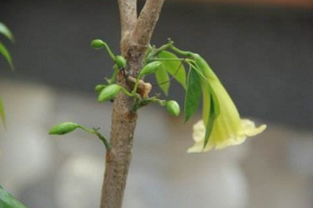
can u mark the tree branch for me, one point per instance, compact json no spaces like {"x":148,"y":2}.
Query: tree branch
{"x":128,"y":15}
{"x":128,"y":19}
{"x":146,"y":22}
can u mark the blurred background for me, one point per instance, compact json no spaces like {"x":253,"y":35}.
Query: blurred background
{"x":263,"y":52}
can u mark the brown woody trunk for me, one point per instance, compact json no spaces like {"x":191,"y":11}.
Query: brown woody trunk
{"x":136,"y":35}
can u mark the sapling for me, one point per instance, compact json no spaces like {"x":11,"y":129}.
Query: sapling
{"x":219,"y":127}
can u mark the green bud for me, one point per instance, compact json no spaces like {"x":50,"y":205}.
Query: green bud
{"x":172,"y":107}
{"x":109,"y":92}
{"x":120,"y":62}
{"x":99,"y":87}
{"x":150,"y":68}
{"x":63,"y":128}
{"x":97,"y":44}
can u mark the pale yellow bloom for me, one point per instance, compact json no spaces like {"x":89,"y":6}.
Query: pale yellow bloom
{"x":222,"y":136}
{"x":228,"y":128}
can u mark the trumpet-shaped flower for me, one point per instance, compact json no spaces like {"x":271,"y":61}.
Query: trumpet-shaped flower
{"x":220,"y":137}
{"x":228,"y":128}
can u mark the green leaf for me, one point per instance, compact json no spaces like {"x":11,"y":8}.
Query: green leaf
{"x":210,"y":107}
{"x":4,"y":30}
{"x":2,"y":112}
{"x":195,"y":67}
{"x":64,"y":128}
{"x":214,"y":112}
{"x":163,"y":79}
{"x":6,"y":55}
{"x":174,"y":66}
{"x":8,"y":201}
{"x":193,"y":94}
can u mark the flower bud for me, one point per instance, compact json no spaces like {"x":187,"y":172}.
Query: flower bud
{"x":63,"y":128}
{"x":99,"y":87}
{"x":97,"y":44}
{"x":109,"y":92}
{"x":120,"y":62}
{"x":150,"y":68}
{"x":172,"y":107}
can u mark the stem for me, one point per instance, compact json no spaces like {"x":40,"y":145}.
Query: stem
{"x":127,"y":93}
{"x":154,"y":100}
{"x":131,"y":94}
{"x":167,"y":59}
{"x":109,"y":51}
{"x":162,"y":48}
{"x":180,"y":52}
{"x":99,"y":135}
{"x":136,"y":35}
{"x":104,"y":140}
{"x":136,"y":86}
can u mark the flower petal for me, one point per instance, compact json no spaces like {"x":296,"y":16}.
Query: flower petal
{"x":249,"y":129}
{"x":221,"y":136}
{"x":198,"y":131}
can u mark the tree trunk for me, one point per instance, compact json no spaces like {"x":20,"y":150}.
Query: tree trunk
{"x":136,"y":35}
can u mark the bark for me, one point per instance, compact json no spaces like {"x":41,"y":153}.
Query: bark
{"x":136,"y":35}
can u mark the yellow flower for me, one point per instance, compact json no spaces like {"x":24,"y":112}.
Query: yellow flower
{"x":222,"y":136}
{"x":221,"y":125}
{"x":228,"y":128}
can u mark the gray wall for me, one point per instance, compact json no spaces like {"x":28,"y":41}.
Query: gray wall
{"x":263,"y":55}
